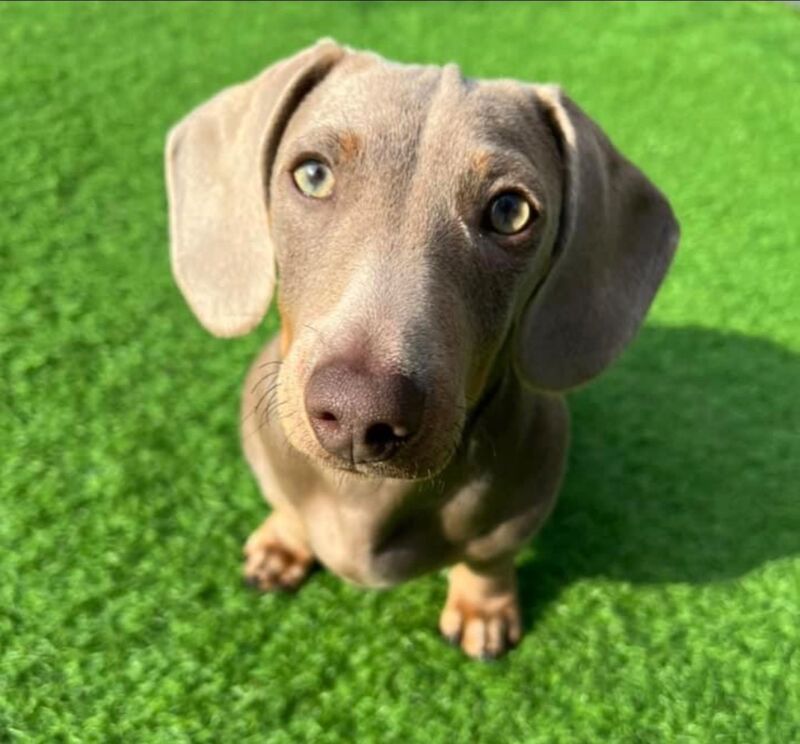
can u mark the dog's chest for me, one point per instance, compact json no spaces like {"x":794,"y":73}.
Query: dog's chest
{"x":378,"y":538}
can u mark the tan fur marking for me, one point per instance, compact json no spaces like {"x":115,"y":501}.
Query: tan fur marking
{"x":481,"y":163}
{"x":482,"y":612}
{"x":277,"y":557}
{"x":349,"y":145}
{"x":286,"y":330}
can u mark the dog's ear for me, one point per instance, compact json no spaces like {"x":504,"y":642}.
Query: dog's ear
{"x":616,"y":238}
{"x":218,"y":162}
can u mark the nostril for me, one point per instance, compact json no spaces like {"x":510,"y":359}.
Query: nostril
{"x":326,"y":423}
{"x":382,"y":435}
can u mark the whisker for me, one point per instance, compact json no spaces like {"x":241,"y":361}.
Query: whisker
{"x":269,"y":390}
{"x":273,"y":407}
{"x":263,"y":422}
{"x":267,"y":376}
{"x":254,"y":410}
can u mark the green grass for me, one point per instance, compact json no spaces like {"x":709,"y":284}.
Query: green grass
{"x":663,"y":598}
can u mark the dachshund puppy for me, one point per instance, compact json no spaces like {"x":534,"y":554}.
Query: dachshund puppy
{"x":451,"y":255}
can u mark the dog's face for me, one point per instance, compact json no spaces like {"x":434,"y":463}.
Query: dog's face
{"x":427,"y":231}
{"x":407,"y":211}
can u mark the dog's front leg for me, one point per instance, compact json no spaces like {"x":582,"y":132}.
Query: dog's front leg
{"x":482,"y":610}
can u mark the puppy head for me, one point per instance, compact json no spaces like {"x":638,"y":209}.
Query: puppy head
{"x":427,"y":230}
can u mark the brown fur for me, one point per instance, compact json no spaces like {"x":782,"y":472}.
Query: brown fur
{"x":349,"y":145}
{"x":286,"y":333}
{"x":398,"y":271}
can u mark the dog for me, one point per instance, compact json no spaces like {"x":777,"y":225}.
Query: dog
{"x":451,"y":255}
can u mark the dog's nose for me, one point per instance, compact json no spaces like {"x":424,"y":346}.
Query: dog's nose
{"x":360,"y":416}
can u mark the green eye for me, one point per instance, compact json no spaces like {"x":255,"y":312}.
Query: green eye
{"x":509,"y":213}
{"x":314,"y":179}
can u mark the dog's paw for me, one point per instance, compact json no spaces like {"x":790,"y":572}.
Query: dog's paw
{"x":274,"y":563}
{"x":483,"y":631}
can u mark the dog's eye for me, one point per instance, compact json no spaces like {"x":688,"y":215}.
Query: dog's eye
{"x":509,"y":213}
{"x":314,"y":179}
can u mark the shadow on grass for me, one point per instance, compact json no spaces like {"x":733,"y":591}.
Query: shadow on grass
{"x":684,"y":467}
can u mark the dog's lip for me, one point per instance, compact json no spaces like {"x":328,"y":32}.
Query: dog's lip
{"x":384,"y":468}
{"x":375,"y":469}
{"x":368,"y":468}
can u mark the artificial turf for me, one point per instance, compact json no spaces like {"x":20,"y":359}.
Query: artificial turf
{"x":663,"y":598}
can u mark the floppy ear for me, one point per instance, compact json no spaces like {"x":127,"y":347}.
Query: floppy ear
{"x":218,"y":161}
{"x":616,"y":238}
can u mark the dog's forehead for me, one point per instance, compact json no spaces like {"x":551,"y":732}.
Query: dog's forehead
{"x":389,"y":103}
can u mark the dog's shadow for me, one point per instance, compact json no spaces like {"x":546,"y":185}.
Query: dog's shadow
{"x":684,"y":467}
